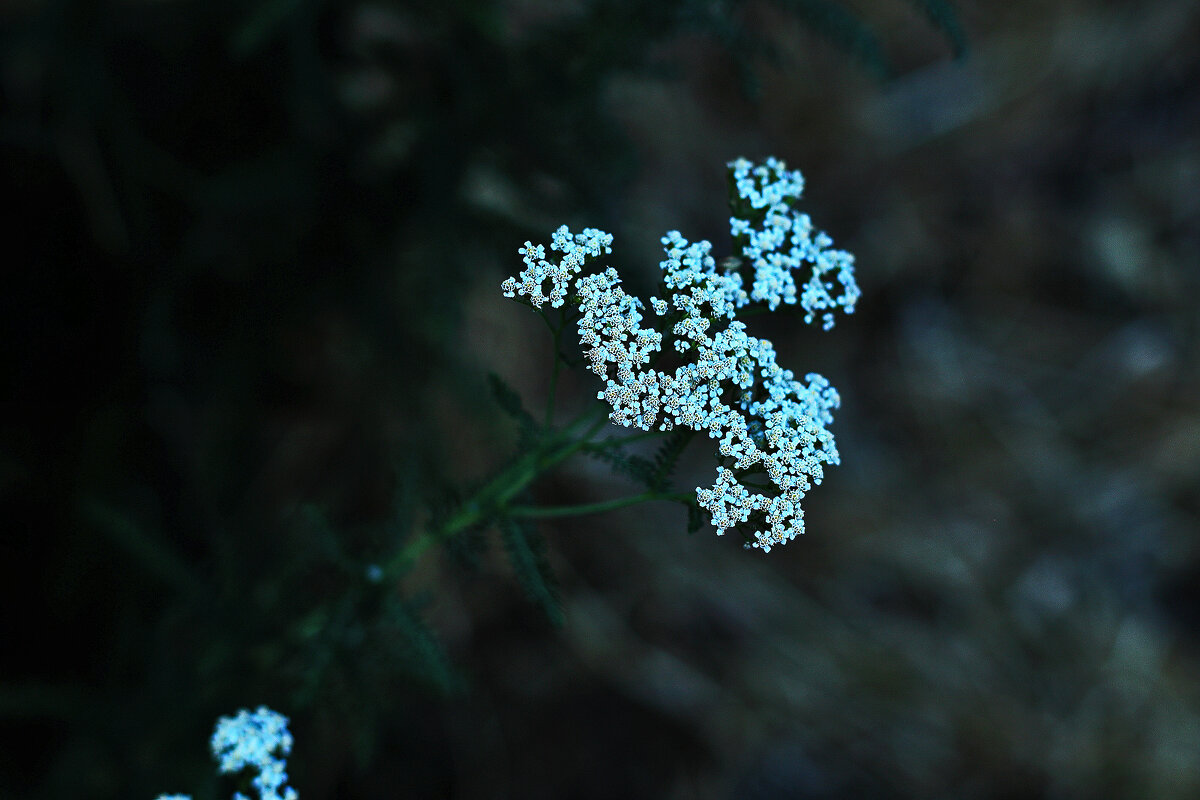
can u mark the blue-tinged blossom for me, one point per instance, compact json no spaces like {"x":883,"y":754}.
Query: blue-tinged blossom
{"x":779,"y":244}
{"x":260,"y":741}
{"x":576,"y":249}
{"x":729,"y":386}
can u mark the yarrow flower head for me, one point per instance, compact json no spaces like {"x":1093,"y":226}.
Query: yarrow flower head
{"x":260,"y":741}
{"x":576,"y":249}
{"x":779,"y":243}
{"x":729,"y":386}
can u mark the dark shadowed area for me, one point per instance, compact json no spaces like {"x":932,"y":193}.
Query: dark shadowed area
{"x":255,"y":252}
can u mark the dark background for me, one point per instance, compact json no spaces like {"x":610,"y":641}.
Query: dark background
{"x":252,"y":295}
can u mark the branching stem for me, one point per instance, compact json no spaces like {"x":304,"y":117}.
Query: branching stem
{"x":536,"y":512}
{"x":493,"y":498}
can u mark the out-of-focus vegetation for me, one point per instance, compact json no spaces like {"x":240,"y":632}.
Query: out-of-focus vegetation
{"x":254,"y":254}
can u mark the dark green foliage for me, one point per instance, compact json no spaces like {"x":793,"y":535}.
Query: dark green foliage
{"x":468,"y":548}
{"x":510,"y":403}
{"x":443,"y":500}
{"x":204,"y":465}
{"x":634,"y":467}
{"x":666,"y":458}
{"x":527,"y":553}
{"x":416,"y":648}
{"x":322,"y":538}
{"x":345,"y":655}
{"x":655,"y":472}
{"x":321,"y":638}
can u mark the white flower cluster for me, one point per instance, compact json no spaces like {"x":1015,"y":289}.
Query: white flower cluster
{"x":575,"y":249}
{"x":258,"y":740}
{"x":729,"y":384}
{"x":778,"y":241}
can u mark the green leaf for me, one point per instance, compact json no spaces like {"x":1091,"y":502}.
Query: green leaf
{"x":510,"y":403}
{"x":527,"y":553}
{"x":666,"y":459}
{"x":634,"y":467}
{"x":468,"y":548}
{"x":319,"y":635}
{"x":416,"y":647}
{"x":443,"y":499}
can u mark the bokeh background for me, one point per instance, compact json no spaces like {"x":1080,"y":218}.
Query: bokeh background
{"x":254,"y":252}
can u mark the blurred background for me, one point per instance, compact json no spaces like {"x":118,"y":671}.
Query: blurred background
{"x":254,"y":261}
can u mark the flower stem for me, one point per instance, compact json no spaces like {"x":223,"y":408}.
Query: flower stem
{"x":554,"y":371}
{"x":492,"y":499}
{"x":533,"y":512}
{"x":618,"y":441}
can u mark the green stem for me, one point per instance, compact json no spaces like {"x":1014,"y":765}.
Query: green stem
{"x":495,"y":495}
{"x":554,"y":371}
{"x":532,"y":512}
{"x":553,"y":389}
{"x":617,"y":441}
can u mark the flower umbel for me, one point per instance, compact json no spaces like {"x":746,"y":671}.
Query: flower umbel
{"x":575,"y":249}
{"x":765,"y":421}
{"x":778,"y":241}
{"x":259,"y":741}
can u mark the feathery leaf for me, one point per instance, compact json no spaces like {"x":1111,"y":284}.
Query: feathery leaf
{"x":415,"y":646}
{"x":510,"y":403}
{"x":635,"y":468}
{"x":667,"y":458}
{"x":527,"y":552}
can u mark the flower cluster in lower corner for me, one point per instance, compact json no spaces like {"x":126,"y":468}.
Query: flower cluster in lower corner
{"x":259,"y":741}
{"x":765,"y":422}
